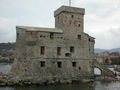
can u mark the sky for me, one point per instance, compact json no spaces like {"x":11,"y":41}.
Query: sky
{"x":102,"y":19}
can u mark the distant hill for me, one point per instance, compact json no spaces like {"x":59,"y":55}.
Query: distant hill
{"x":97,"y":50}
{"x":4,"y":47}
{"x":115,"y":50}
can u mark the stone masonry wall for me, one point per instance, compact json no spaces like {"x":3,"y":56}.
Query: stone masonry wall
{"x":76,"y":50}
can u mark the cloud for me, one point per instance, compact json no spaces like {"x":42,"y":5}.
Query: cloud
{"x":115,"y":36}
{"x":102,"y":21}
{"x":101,"y":18}
{"x":107,"y":39}
{"x":7,"y":30}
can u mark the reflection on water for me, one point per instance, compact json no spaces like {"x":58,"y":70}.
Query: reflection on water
{"x":95,"y":86}
{"x":54,"y":87}
{"x":107,"y":85}
{"x":5,"y":68}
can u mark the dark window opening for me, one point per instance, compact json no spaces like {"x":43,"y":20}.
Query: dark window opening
{"x":67,"y":54}
{"x":79,"y":37}
{"x":89,"y":39}
{"x":61,"y":37}
{"x":17,"y":35}
{"x":72,"y":16}
{"x":79,"y":68}
{"x":59,"y":64}
{"x":42,"y":63}
{"x":74,"y":64}
{"x":72,"y":49}
{"x":58,"y":50}
{"x":42,"y":50}
{"x":51,"y":35}
{"x":78,"y":25}
{"x":40,"y":35}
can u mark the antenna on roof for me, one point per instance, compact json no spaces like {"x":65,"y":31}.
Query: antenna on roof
{"x":69,"y":2}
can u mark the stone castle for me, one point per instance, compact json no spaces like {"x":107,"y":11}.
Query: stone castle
{"x":61,"y":53}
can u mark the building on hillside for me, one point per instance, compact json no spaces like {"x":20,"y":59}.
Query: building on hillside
{"x":62,"y":53}
{"x":103,"y":58}
{"x":107,"y":58}
{"x":114,"y":54}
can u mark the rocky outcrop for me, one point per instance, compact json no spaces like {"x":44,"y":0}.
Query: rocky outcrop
{"x":10,"y":80}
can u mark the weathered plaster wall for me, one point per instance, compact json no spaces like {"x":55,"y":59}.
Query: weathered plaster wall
{"x":28,"y":45}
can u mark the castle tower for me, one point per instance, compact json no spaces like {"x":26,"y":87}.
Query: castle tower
{"x":70,"y":20}
{"x":59,"y":54}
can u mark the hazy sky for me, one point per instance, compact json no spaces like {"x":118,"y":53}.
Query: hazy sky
{"x":102,"y":18}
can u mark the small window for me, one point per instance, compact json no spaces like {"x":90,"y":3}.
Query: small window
{"x":42,"y":63}
{"x":17,"y":35}
{"x":59,"y":64}
{"x":72,"y":16}
{"x":42,"y":50}
{"x":89,"y":39}
{"x":51,"y":35}
{"x":58,"y":50}
{"x":67,"y":54}
{"x":79,"y":37}
{"x":79,"y":68}
{"x":78,"y":25}
{"x":72,"y":49}
{"x":74,"y":64}
{"x":40,"y":35}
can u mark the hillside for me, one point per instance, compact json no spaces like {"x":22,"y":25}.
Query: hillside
{"x":97,"y":50}
{"x":7,"y":46}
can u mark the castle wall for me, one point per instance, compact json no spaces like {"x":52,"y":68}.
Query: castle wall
{"x":45,"y":55}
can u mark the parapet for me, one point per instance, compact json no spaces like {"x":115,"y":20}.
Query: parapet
{"x":70,"y":10}
{"x":40,"y":29}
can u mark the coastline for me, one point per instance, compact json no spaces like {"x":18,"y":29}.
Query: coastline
{"x":9,"y":80}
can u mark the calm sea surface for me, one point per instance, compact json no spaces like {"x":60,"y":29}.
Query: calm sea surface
{"x":92,"y":86}
{"x":95,"y":86}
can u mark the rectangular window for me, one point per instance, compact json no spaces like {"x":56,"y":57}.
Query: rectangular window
{"x":59,"y":64}
{"x":72,"y":49}
{"x":74,"y":64}
{"x":51,"y":35}
{"x":79,"y":37}
{"x":42,"y":50}
{"x":17,"y":35}
{"x":89,"y":39}
{"x":58,"y":50}
{"x":67,"y":54}
{"x":72,"y":16}
{"x":42,"y":63}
